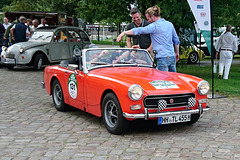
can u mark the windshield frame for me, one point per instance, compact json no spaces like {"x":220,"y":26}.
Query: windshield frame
{"x":87,"y":67}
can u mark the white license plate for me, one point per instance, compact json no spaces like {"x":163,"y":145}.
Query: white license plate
{"x":174,"y":119}
{"x":8,"y":60}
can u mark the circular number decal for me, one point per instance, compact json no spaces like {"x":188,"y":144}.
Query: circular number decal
{"x":72,"y":86}
{"x":76,"y":50}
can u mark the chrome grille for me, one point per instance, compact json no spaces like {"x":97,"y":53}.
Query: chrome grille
{"x":173,"y":101}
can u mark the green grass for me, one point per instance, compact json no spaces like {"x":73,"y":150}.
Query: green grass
{"x":230,"y":87}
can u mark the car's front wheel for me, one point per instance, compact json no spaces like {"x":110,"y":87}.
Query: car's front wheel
{"x":57,"y":96}
{"x":193,"y":58}
{"x":194,"y":118}
{"x":112,"y":115}
{"x":37,"y":63}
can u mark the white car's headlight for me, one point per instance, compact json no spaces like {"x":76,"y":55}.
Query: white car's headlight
{"x":21,"y":50}
{"x":203,"y":87}
{"x":4,"y":48}
{"x":135,"y":92}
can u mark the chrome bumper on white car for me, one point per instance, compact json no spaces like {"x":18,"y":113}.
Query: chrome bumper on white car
{"x":148,"y":115}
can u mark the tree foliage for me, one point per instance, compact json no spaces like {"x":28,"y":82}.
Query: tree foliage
{"x":116,"y":11}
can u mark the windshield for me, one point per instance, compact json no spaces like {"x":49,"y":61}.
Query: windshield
{"x":41,"y":36}
{"x":117,"y":57}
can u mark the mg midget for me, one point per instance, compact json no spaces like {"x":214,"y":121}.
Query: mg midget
{"x":121,"y":85}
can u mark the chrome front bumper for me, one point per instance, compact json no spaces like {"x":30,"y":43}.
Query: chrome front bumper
{"x":148,"y":115}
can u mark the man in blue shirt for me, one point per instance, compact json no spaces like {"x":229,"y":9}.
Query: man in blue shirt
{"x":164,"y":39}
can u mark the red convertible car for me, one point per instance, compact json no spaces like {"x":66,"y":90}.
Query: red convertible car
{"x":121,"y":85}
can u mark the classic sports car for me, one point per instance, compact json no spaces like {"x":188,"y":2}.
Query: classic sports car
{"x":46,"y":46}
{"x":121,"y":85}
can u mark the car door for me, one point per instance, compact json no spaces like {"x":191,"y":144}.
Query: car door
{"x":75,"y":88}
{"x":59,"y":47}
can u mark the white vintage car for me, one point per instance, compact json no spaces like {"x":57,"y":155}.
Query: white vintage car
{"x":46,"y":46}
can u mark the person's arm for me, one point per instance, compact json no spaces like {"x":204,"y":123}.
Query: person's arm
{"x":150,"y":48}
{"x":176,"y":50}
{"x":11,"y":31}
{"x":120,"y":36}
{"x":129,"y":44}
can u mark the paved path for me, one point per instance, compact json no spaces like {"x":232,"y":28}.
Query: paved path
{"x":31,"y":128}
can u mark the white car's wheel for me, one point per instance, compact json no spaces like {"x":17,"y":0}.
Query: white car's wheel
{"x":37,"y":64}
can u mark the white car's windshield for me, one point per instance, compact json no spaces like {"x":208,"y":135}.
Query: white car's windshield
{"x":41,"y":36}
{"x":114,"y":57}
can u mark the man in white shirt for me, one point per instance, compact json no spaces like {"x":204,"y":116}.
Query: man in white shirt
{"x":6,"y":23}
{"x":43,"y":23}
{"x":226,"y":46}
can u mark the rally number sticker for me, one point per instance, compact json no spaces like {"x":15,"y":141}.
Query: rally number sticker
{"x":76,"y":50}
{"x":72,"y":86}
{"x":161,"y":84}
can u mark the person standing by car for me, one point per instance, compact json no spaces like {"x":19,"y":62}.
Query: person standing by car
{"x":6,"y":24}
{"x":164,"y":39}
{"x":2,"y":31}
{"x":35,"y":24}
{"x":226,"y":46}
{"x":18,"y":31}
{"x":8,"y":35}
{"x":139,"y":41}
{"x":43,"y":23}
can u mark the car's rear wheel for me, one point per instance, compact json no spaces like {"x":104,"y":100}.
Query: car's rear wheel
{"x":37,"y":63}
{"x":57,"y":96}
{"x":112,"y":115}
{"x":193,"y":58}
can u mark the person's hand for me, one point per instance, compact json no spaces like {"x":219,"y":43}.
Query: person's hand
{"x":177,"y":57}
{"x":216,"y":56}
{"x":120,"y":36}
{"x":136,"y":46}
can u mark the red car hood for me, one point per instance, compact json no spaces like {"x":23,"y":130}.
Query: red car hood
{"x":153,"y":82}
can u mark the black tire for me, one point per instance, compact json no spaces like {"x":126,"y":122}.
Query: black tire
{"x":112,"y":115}
{"x":193,"y":57}
{"x":194,"y":119}
{"x":57,"y":96}
{"x":37,"y":62}
{"x":10,"y":67}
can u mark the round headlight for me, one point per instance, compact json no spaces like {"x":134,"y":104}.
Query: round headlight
{"x":21,"y":50}
{"x":203,"y":87}
{"x":4,"y":48}
{"x":135,"y":92}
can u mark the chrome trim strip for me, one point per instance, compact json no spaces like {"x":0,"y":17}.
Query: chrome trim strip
{"x":147,"y":115}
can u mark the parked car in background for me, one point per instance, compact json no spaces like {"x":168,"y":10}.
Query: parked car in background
{"x":190,"y":52}
{"x":46,"y":46}
{"x":121,"y":85}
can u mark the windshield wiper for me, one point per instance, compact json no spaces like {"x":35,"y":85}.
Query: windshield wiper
{"x":39,"y":37}
{"x":46,"y":37}
{"x":124,"y":62}
{"x":99,"y":63}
